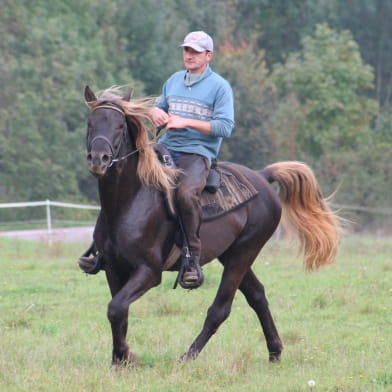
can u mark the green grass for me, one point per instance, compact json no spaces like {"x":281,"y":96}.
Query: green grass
{"x":336,"y":325}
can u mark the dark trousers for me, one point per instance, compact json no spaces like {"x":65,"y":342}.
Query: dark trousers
{"x":191,"y":184}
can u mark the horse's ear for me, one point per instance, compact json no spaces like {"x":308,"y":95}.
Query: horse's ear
{"x":89,"y":96}
{"x":128,"y":96}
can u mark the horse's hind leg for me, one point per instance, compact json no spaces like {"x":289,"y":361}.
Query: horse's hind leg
{"x":255,"y":295}
{"x":217,"y":313}
{"x":236,"y":262}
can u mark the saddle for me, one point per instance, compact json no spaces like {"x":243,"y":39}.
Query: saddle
{"x":226,"y":188}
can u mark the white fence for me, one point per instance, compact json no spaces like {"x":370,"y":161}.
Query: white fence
{"x":48,"y":204}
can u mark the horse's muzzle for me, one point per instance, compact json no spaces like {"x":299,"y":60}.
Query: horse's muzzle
{"x":98,"y":163}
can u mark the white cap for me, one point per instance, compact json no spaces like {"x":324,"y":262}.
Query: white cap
{"x":199,"y":41}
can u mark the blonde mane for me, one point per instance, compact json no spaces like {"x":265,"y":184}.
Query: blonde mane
{"x":138,"y":112}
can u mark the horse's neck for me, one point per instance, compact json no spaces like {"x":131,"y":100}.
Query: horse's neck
{"x":118,"y":189}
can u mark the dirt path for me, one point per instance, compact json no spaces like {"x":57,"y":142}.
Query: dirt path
{"x":74,"y":234}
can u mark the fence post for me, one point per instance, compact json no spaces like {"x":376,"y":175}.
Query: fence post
{"x":49,"y":220}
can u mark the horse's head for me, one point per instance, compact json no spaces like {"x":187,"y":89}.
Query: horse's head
{"x":118,"y":130}
{"x":106,"y":132}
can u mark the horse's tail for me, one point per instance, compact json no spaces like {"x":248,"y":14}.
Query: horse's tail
{"x":305,"y":210}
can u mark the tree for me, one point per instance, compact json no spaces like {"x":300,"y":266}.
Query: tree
{"x":328,"y":80}
{"x":324,"y":118}
{"x":152,"y":35}
{"x":363,"y":176}
{"x":369,"y":22}
{"x":281,"y":24}
{"x":50,"y":51}
{"x":244,"y":67}
{"x":284,"y":23}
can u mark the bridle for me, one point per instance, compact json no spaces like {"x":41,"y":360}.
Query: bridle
{"x":113,"y":152}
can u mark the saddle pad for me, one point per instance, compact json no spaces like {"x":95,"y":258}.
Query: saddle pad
{"x":234,"y":191}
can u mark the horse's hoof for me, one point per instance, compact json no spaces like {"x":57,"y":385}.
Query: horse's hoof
{"x":274,"y":357}
{"x":188,"y":356}
{"x":132,"y":361}
{"x":90,"y":265}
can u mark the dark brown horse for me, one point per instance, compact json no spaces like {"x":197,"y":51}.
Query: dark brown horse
{"x":135,"y":230}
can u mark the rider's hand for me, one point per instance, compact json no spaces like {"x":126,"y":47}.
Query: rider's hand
{"x":159,"y":116}
{"x":175,"y":122}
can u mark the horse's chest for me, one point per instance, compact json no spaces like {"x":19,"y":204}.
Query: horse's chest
{"x":136,"y":238}
{"x":137,"y":231}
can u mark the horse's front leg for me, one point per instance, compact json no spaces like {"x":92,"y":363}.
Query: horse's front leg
{"x":140,"y":281}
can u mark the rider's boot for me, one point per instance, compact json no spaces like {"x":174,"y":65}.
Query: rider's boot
{"x":191,"y":274}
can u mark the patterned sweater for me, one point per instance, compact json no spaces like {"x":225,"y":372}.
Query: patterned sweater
{"x":209,"y":99}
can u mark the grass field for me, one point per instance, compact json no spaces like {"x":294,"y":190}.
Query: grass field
{"x":336,"y":325}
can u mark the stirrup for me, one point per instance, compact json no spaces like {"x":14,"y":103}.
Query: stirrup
{"x":190,"y":275}
{"x":91,"y":265}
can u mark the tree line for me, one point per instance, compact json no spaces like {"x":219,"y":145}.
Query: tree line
{"x":312,"y":81}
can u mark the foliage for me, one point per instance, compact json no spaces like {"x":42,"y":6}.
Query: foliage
{"x":281,"y":24}
{"x":41,"y":118}
{"x":328,"y":78}
{"x":151,"y":35}
{"x":369,"y":22}
{"x":324,"y":117}
{"x":244,"y":66}
{"x":148,"y":40}
{"x":284,"y":23}
{"x":372,"y":154}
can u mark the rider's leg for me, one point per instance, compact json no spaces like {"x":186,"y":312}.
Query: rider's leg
{"x":192,"y":182}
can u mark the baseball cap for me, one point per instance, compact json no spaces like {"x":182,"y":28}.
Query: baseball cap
{"x":199,"y":41}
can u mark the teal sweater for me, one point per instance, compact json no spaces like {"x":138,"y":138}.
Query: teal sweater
{"x":209,"y":99}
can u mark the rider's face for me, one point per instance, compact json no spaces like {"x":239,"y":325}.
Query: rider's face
{"x":195,"y":62}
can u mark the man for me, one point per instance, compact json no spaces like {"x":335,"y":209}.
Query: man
{"x":197,"y":109}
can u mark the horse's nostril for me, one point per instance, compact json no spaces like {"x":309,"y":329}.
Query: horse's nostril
{"x":89,"y":157}
{"x":105,"y":159}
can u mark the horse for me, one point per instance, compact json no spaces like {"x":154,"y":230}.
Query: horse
{"x":136,"y":227}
